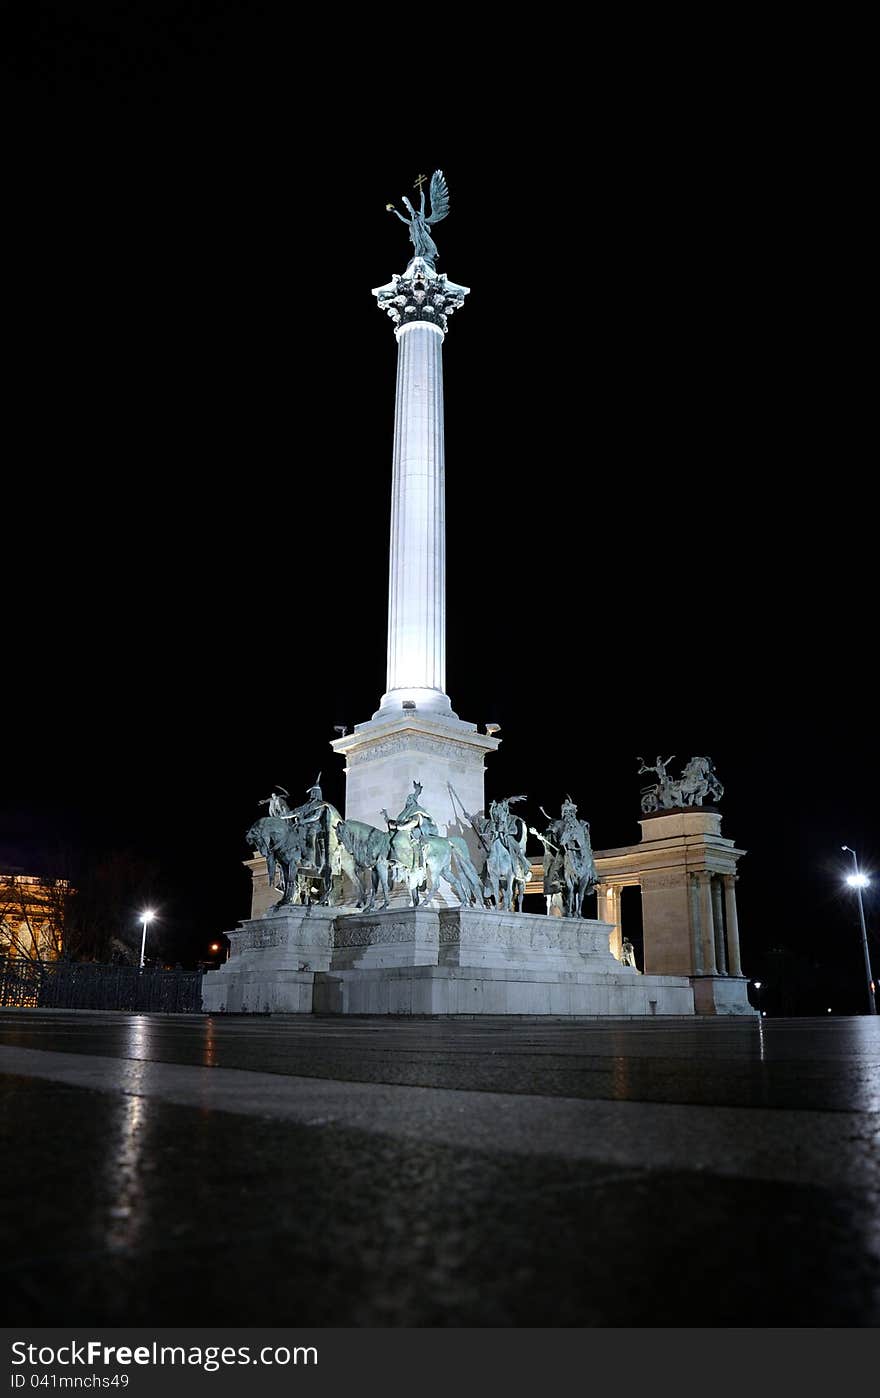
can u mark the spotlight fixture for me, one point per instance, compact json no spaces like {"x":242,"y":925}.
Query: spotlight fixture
{"x":493,"y":728}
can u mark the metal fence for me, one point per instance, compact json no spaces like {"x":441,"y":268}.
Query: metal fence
{"x":19,"y":983}
{"x":71,"y":985}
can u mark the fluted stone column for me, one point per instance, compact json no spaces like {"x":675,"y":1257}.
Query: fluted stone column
{"x":733,"y":957}
{"x":608,"y":910}
{"x":419,"y":303}
{"x":415,"y":736}
{"x":696,"y":947}
{"x":417,"y":572}
{"x":718,"y":919}
{"x":707,"y":928}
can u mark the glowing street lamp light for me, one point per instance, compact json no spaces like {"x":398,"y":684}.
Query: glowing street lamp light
{"x":858,"y":881}
{"x":145,"y":918}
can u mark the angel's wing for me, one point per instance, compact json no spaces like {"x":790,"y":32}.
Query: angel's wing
{"x":439,"y":197}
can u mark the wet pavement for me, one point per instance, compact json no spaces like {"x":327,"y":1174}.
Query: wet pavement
{"x":163,"y":1170}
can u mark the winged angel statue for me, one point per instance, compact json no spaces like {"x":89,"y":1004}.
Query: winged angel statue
{"x":418,"y":224}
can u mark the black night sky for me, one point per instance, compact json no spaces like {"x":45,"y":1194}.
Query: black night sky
{"x":656,"y":536}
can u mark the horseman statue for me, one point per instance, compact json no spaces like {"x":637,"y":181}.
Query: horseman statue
{"x":303,"y":844}
{"x":502,"y":835}
{"x":569,"y":870}
{"x":410,"y":851}
{"x":698,"y":780}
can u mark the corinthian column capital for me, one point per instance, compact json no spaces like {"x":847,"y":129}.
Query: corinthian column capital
{"x":420,"y":295}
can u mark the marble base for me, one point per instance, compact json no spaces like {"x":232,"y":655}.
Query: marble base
{"x":721,"y":995}
{"x":429,"y":961}
{"x":272,"y":963}
{"x":455,"y":990}
{"x":485,"y":938}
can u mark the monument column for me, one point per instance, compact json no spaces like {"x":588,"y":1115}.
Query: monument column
{"x":608,"y":910}
{"x":733,"y":958}
{"x":417,"y":565}
{"x":415,"y":736}
{"x":707,"y":929}
{"x":718,"y":918}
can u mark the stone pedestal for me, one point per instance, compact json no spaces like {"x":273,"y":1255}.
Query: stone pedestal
{"x":464,"y":992}
{"x":524,"y":941}
{"x":263,"y":895}
{"x":721,"y":995}
{"x":384,"y":758}
{"x":405,"y":937}
{"x":272,"y":963}
{"x":430,"y":961}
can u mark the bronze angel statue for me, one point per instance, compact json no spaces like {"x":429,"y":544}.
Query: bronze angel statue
{"x":419,"y":224}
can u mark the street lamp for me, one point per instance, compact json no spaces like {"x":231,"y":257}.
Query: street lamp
{"x":858,"y":881}
{"x":145,"y":918}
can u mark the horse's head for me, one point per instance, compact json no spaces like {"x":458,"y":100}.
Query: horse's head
{"x":257,"y":836}
{"x":273,"y":837}
{"x":343,"y":835}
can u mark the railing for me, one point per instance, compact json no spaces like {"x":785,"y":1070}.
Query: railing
{"x":19,"y":983}
{"x":71,"y":985}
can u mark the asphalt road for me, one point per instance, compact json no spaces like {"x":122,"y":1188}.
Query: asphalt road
{"x":163,"y":1170}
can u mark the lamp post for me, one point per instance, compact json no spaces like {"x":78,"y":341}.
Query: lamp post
{"x":145,"y":918}
{"x":858,"y":881}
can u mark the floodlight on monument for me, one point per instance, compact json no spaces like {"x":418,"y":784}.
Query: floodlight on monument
{"x":858,"y":881}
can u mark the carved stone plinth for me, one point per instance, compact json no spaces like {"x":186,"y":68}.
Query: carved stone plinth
{"x":433,"y":962}
{"x":722,"y":995}
{"x":402,"y":937}
{"x":524,"y":941}
{"x":272,"y":963}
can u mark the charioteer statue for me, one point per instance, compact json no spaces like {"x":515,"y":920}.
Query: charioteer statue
{"x":698,"y":780}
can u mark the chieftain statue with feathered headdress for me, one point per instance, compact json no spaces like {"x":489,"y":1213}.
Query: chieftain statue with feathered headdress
{"x":419,"y":223}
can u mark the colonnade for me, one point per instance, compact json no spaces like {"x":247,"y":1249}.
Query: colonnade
{"x":713,"y":919}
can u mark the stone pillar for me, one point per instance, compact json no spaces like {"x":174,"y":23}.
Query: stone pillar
{"x":417,"y":572}
{"x":718,"y":919}
{"x":696,"y":950}
{"x":707,"y":928}
{"x":733,"y":959}
{"x":419,"y":302}
{"x":608,"y":910}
